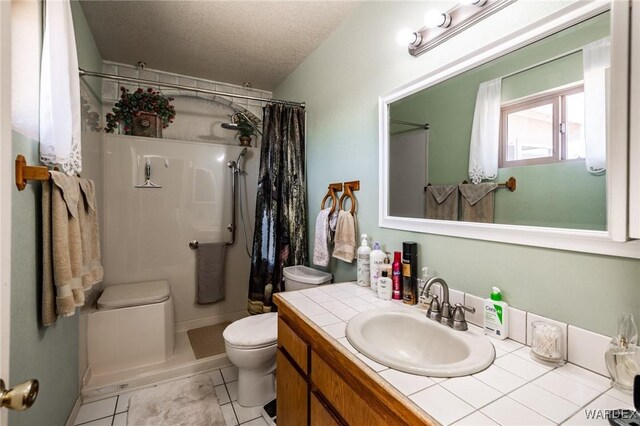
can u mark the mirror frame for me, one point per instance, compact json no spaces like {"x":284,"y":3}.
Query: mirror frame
{"x":614,"y":241}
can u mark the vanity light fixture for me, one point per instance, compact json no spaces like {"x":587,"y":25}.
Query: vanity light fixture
{"x":441,"y":26}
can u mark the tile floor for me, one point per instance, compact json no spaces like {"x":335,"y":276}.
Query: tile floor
{"x":112,"y":411}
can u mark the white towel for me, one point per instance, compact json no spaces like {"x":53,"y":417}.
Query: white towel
{"x":345,"y":238}
{"x":321,"y":241}
{"x":60,"y":91}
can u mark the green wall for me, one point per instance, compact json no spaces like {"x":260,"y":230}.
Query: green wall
{"x":89,"y":58}
{"x":341,"y":81}
{"x":49,"y":354}
{"x":541,"y":197}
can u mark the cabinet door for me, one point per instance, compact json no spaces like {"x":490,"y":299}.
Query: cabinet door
{"x":346,"y":401}
{"x":292,"y":393}
{"x":293,"y":345}
{"x":320,"y":415}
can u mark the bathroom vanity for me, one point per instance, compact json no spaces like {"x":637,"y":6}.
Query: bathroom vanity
{"x":319,"y":382}
{"x":323,"y":380}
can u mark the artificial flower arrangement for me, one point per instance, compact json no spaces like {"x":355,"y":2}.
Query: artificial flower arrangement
{"x":132,"y":104}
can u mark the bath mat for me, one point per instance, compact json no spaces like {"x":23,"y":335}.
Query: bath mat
{"x":187,"y":402}
{"x":207,"y":341}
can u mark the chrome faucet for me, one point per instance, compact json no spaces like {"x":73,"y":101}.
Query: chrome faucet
{"x":443,"y":313}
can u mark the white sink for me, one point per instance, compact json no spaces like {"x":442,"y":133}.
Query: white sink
{"x":406,"y":340}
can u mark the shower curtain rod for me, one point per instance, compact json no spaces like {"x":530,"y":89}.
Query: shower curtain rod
{"x":84,"y":73}
{"x":424,"y":126}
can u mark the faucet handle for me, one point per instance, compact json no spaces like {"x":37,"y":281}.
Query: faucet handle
{"x":459,"y":321}
{"x":434,"y":308}
{"x":469,"y":309}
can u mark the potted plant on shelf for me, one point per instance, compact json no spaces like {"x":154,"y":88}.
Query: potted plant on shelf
{"x":246,"y":129}
{"x":141,"y":113}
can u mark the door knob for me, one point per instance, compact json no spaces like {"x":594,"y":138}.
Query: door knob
{"x":19,"y":397}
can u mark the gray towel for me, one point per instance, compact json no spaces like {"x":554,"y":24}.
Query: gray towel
{"x":211,"y":273}
{"x":477,"y":204}
{"x":442,"y":202}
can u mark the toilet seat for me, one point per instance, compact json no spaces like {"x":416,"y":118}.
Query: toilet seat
{"x":134,"y":294}
{"x":254,"y":332}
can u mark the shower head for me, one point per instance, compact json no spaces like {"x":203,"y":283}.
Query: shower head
{"x":230,"y":126}
{"x":236,"y":120}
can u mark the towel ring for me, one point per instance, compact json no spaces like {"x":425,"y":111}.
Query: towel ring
{"x":348,"y":188}
{"x":331,"y":192}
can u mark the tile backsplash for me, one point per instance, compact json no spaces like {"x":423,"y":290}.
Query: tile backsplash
{"x":581,"y":347}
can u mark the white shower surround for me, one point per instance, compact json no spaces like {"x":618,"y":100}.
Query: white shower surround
{"x":147,"y":231}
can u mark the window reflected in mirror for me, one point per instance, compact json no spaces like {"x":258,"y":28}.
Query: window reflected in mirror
{"x":543,"y":129}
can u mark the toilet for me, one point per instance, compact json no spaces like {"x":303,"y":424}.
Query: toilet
{"x":132,"y":327}
{"x":251,"y":342}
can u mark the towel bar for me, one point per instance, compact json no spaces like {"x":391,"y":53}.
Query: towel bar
{"x":510,"y":184}
{"x":354,"y":185}
{"x":331,"y":192}
{"x":25,"y":172}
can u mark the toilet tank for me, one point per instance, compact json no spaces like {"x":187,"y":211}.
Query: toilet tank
{"x":301,"y":277}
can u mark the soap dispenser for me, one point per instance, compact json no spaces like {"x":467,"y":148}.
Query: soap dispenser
{"x":496,"y":315}
{"x":364,"y":265}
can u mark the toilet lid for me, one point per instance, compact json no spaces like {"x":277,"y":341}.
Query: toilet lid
{"x":253,"y":332}
{"x":134,"y":294}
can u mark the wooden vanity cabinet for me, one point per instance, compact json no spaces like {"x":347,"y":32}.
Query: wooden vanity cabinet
{"x":293,"y":405}
{"x":320,"y":383}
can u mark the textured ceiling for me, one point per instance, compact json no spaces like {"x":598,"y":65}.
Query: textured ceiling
{"x":235,"y":41}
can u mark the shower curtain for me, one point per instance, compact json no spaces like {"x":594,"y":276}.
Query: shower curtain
{"x":280,"y":236}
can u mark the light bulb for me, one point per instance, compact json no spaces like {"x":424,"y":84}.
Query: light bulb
{"x":406,"y":36}
{"x":433,"y":19}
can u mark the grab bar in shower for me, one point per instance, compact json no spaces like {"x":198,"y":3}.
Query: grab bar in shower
{"x":195,"y":245}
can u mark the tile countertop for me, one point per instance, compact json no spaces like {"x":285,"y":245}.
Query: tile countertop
{"x":514,"y":390}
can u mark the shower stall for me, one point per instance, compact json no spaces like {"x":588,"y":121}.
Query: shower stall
{"x":157,"y":196}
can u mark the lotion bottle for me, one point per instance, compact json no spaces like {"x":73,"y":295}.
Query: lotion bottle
{"x":364,"y":270}
{"x":377,"y":263}
{"x":385,"y":285}
{"x":496,"y":316}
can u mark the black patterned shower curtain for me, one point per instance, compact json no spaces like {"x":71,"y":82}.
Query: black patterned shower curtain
{"x":280,"y":236}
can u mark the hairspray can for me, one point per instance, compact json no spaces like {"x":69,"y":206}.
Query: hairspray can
{"x":397,"y":275}
{"x":410,"y":272}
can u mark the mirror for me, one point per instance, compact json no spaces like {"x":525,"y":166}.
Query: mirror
{"x":540,"y":107}
{"x":569,"y":194}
